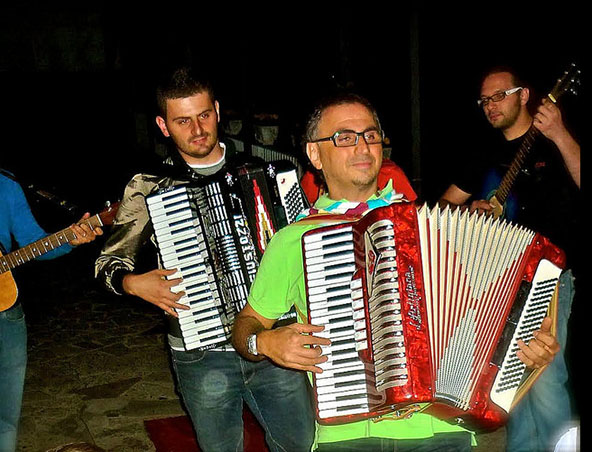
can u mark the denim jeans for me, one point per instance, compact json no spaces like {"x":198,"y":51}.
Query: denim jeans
{"x":13,"y":362}
{"x":214,"y":384}
{"x":449,"y":442}
{"x":544,"y":414}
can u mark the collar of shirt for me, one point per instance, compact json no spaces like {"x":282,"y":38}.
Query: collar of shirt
{"x":209,"y":165}
{"x":326,"y":205}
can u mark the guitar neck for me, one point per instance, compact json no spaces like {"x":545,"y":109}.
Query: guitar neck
{"x":510,"y":177}
{"x":42,"y":246}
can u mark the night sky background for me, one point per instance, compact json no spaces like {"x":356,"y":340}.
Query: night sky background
{"x":76,"y":79}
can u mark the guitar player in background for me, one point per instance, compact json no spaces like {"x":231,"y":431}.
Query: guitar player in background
{"x":543,"y":197}
{"x":17,"y":224}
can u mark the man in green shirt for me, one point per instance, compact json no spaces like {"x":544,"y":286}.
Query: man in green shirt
{"x":344,"y":141}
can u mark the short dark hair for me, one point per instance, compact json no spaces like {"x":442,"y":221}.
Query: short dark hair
{"x":517,"y":79}
{"x":343,"y":98}
{"x":312,"y":124}
{"x":181,"y":82}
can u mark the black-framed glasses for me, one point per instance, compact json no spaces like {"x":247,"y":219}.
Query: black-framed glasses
{"x":497,"y":97}
{"x":349,"y":138}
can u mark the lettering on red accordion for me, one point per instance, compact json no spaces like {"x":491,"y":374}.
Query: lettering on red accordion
{"x":413,"y":299}
{"x":425,"y":307}
{"x":214,"y":231}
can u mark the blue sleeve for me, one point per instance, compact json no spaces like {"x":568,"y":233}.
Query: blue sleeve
{"x":23,"y":226}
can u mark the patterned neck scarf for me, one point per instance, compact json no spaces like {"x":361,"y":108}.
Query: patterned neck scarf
{"x":325,"y":205}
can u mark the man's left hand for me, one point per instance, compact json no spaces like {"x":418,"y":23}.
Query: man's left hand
{"x":84,"y":233}
{"x":541,"y":350}
{"x":548,"y":120}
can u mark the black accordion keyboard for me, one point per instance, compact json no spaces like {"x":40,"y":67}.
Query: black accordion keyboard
{"x":214,"y":232}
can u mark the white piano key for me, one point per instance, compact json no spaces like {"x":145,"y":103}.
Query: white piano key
{"x":175,"y":260}
{"x":341,"y":268}
{"x":333,"y":396}
{"x":200,"y":322}
{"x":163,"y":217}
{"x":355,"y":385}
{"x":168,"y":242}
{"x":330,"y":297}
{"x":330,"y":268}
{"x":340,"y":234}
{"x":179,"y":230}
{"x":327,"y":289}
{"x":196,"y":342}
{"x":338,"y":348}
{"x":318,"y":316}
{"x":179,"y":192}
{"x":353,"y":399}
{"x":336,"y":279}
{"x":193,"y":251}
{"x":341,"y":251}
{"x":344,"y":412}
{"x":336,"y":321}
{"x":338,"y":364}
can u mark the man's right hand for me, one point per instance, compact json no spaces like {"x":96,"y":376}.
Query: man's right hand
{"x":294,"y":346}
{"x":156,"y":289}
{"x":481,"y":206}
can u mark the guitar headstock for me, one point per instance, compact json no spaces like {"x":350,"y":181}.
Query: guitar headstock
{"x":567,"y":83}
{"x":108,"y":214}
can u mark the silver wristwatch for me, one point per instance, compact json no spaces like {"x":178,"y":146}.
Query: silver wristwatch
{"x":252,"y":344}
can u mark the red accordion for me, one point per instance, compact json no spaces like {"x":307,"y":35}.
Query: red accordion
{"x":425,"y":307}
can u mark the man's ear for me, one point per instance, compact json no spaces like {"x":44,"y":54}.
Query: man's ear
{"x":161,"y":123}
{"x":217,"y":107}
{"x":314,"y":155}
{"x":524,"y":95}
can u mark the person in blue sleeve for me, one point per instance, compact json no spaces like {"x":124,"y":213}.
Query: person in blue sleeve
{"x":17,"y":224}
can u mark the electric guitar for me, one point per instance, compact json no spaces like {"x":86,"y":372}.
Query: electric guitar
{"x":500,"y":195}
{"x":8,"y":262}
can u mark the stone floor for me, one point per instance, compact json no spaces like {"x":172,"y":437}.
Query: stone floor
{"x":98,"y":365}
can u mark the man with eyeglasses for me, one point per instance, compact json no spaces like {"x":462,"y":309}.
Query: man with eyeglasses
{"x":344,"y":141}
{"x":545,"y":198}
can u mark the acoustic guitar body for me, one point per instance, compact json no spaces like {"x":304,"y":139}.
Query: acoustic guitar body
{"x":8,"y":290}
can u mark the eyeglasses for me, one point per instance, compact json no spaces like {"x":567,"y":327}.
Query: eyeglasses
{"x":345,"y":139}
{"x":497,"y":96}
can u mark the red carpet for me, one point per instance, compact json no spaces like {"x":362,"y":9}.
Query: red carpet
{"x":175,"y":434}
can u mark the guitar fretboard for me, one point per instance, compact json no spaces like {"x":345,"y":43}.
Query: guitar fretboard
{"x":42,"y":246}
{"x":510,"y":177}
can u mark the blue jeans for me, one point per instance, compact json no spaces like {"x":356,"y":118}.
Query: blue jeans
{"x":213,"y":385}
{"x":13,"y":362}
{"x":544,"y":414}
{"x":449,"y":442}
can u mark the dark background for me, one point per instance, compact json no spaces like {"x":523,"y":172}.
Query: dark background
{"x":76,"y":80}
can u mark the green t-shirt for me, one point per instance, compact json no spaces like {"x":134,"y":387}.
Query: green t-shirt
{"x":279,"y":284}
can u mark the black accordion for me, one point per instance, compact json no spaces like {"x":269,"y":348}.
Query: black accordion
{"x":214,"y":231}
